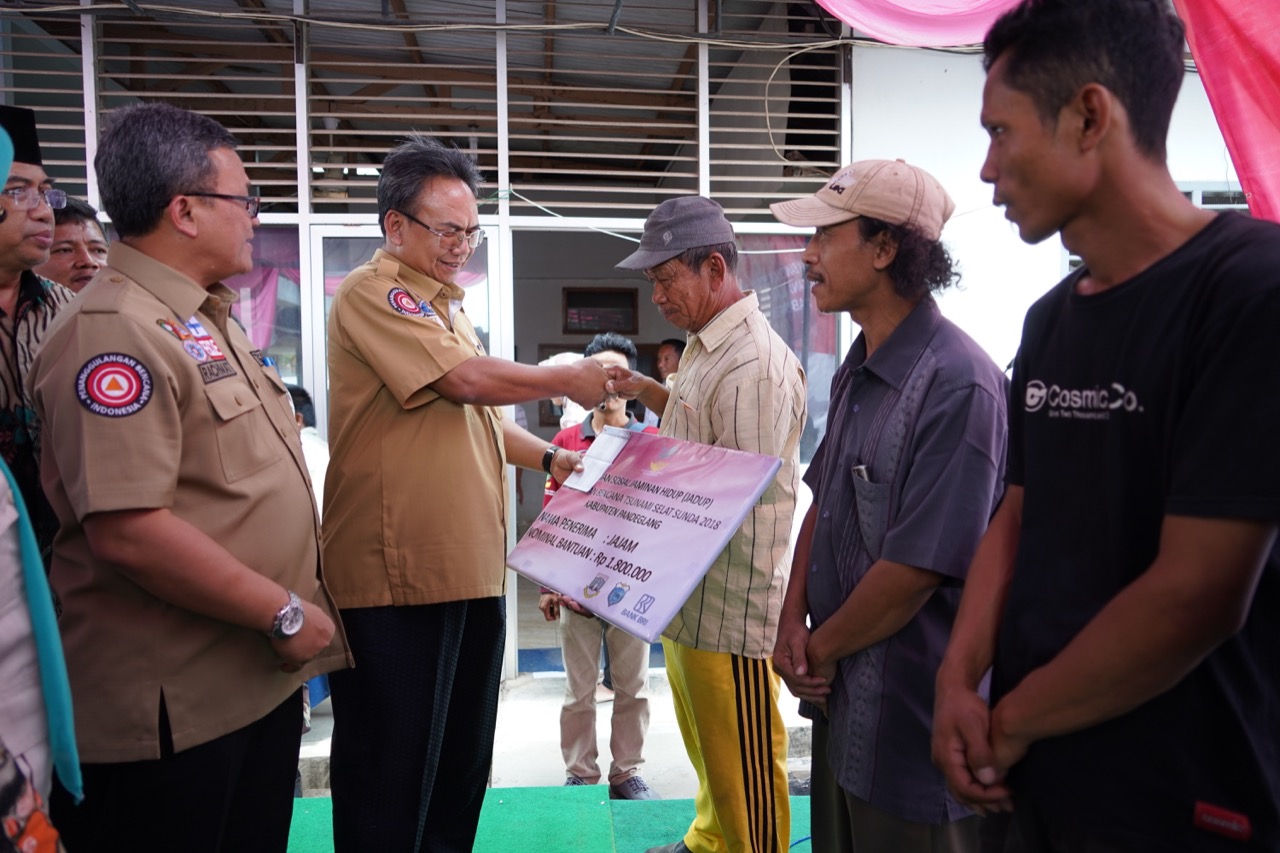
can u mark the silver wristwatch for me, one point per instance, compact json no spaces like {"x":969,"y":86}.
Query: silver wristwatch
{"x":288,"y":619}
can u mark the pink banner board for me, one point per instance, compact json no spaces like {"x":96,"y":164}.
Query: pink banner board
{"x":633,"y":546}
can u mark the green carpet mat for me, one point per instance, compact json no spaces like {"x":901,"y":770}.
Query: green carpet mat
{"x":538,"y":819}
{"x":553,"y":820}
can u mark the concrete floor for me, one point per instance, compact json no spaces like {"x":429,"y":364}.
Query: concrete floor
{"x":527,"y":740}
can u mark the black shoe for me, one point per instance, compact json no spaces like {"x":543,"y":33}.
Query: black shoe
{"x":632,"y":788}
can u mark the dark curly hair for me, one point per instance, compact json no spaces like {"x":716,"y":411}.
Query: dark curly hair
{"x":921,"y":265}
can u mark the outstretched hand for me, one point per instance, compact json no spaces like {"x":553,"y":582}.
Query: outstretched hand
{"x":627,"y":384}
{"x":587,"y":384}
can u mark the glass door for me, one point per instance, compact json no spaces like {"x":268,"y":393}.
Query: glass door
{"x":338,"y":249}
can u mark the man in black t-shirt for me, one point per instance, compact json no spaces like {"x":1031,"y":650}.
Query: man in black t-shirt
{"x":1126,"y":591}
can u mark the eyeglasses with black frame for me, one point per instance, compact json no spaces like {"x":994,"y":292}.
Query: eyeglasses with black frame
{"x":449,"y":239}
{"x":26,"y":198}
{"x":252,"y":203}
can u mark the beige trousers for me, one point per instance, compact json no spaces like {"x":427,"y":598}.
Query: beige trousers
{"x":629,"y":668}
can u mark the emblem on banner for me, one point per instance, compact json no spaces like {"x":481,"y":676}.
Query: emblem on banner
{"x":662,"y":459}
{"x":618,"y":593}
{"x":644,"y":603}
{"x":592,"y":589}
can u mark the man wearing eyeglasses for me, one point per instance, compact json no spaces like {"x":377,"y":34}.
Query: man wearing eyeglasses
{"x":28,"y":303}
{"x":415,"y":511}
{"x":188,"y":558}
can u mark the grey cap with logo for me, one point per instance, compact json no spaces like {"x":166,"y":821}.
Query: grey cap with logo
{"x":674,"y":227}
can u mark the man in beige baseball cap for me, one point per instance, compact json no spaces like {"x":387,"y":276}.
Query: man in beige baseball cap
{"x":912,"y":464}
{"x":890,"y":190}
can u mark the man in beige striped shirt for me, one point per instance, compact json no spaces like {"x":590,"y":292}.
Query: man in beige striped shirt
{"x":738,"y":386}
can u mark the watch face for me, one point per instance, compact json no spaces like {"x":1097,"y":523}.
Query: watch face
{"x":292,"y":621}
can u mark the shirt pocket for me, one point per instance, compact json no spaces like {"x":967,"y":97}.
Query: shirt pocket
{"x":871,"y":500}
{"x":244,"y":436}
{"x":275,"y":380}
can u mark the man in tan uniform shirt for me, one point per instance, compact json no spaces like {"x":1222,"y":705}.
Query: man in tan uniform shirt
{"x":415,"y":514}
{"x":187,"y":560}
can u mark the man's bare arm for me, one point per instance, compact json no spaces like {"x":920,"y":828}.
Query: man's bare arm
{"x":1194,"y":596}
{"x":880,"y":605}
{"x":790,"y":654}
{"x":961,"y":719}
{"x":525,"y":450}
{"x":486,"y":381}
{"x":634,"y":385}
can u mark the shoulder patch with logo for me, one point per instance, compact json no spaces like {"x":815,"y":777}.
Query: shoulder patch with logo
{"x":113,"y":385}
{"x":403,"y":302}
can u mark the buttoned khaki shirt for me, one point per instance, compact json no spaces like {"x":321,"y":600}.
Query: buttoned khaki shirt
{"x":741,"y":387}
{"x":415,"y":498}
{"x":150,"y":398}
{"x":39,"y":301}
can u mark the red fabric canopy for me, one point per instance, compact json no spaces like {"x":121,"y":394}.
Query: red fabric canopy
{"x":1235,"y":47}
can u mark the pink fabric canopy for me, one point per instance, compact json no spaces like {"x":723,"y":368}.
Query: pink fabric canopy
{"x":1235,"y":48}
{"x":920,"y":23}
{"x":1232,"y":41}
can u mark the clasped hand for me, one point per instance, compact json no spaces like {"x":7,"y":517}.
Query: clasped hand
{"x":972,"y":750}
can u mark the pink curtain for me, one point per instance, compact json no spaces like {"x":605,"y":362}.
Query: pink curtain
{"x":275,"y":253}
{"x":1235,"y":47}
{"x":261,"y":283}
{"x":921,"y":23}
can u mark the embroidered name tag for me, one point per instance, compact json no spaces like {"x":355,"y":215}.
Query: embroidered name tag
{"x":213,"y":370}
